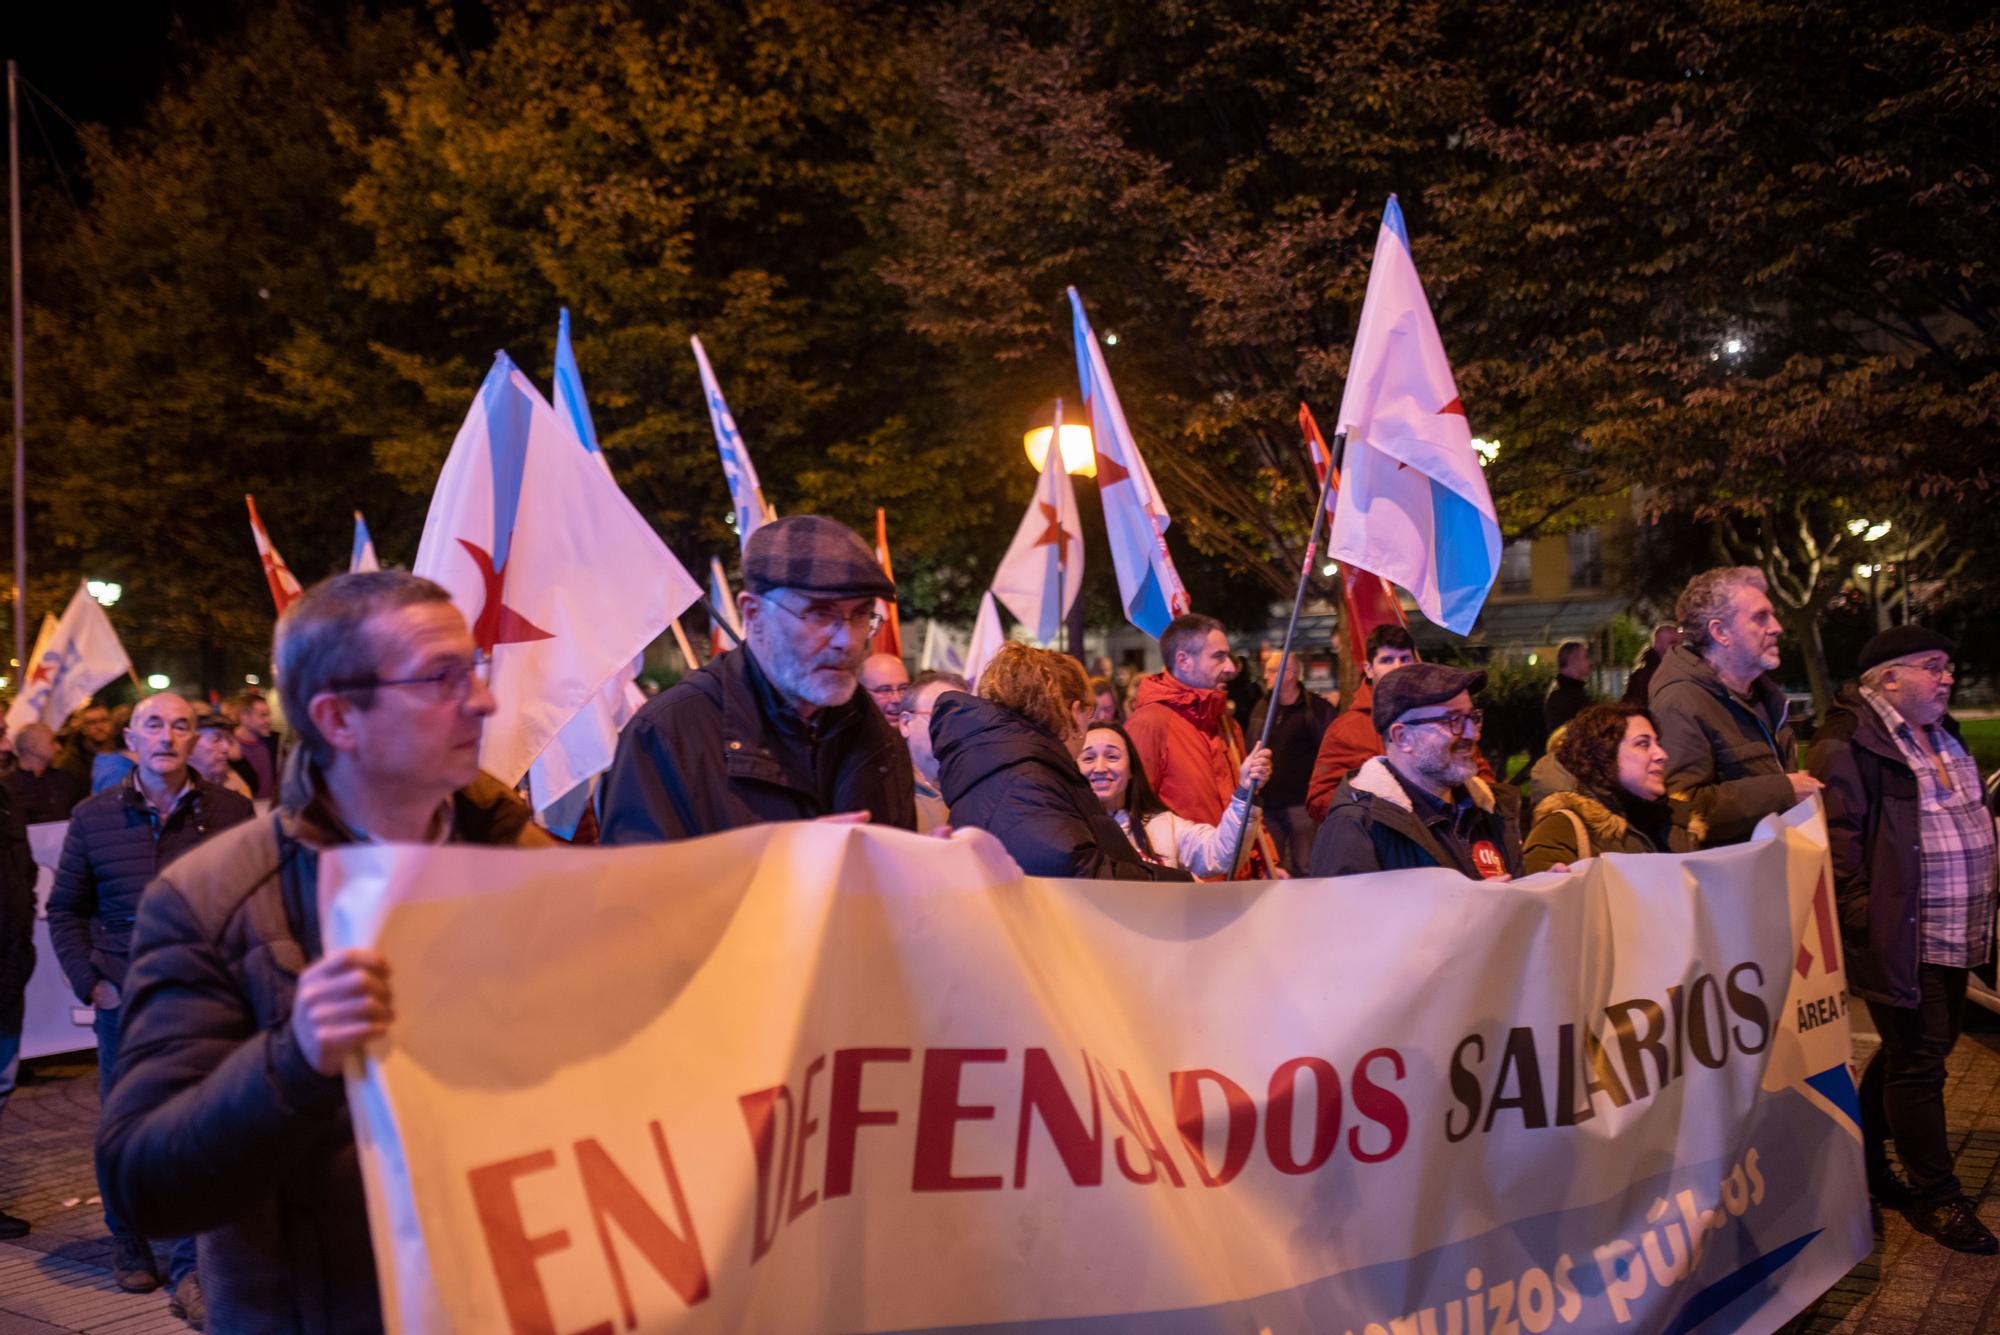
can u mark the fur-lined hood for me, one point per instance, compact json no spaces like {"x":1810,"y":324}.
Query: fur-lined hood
{"x":1605,"y":825}
{"x":1378,"y":779}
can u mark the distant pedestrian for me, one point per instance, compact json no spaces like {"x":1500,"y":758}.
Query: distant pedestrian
{"x":1302,"y":720}
{"x":1638,"y":687}
{"x":1569,"y":693}
{"x":1913,"y":866}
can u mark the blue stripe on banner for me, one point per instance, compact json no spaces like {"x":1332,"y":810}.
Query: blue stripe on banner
{"x":1465,"y":565}
{"x":1392,"y":221}
{"x":507,"y":417}
{"x":1836,"y":1086}
{"x":1728,"y":1289}
{"x":1149,"y":610}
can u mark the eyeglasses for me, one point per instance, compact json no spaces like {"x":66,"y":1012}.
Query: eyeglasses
{"x":449,"y":684}
{"x":1457,"y":724}
{"x":825,"y":620}
{"x":888,"y":690}
{"x":1935,"y":669}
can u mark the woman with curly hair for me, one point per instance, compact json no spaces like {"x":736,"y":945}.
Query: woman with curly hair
{"x":1613,"y":753}
{"x":1007,"y":764}
{"x":1160,"y":835}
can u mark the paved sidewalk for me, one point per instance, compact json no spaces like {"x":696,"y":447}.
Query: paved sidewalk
{"x":58,"y":1279}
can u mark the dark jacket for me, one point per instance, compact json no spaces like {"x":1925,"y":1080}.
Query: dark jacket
{"x":1727,"y":761}
{"x":48,"y":796}
{"x":1295,"y":739}
{"x":115,"y":846}
{"x":217,"y":1125}
{"x":1612,"y":825}
{"x":1567,"y":698}
{"x":17,"y":917}
{"x":1008,"y":775}
{"x":1639,"y":686}
{"x":720,"y":750}
{"x":1874,"y":837}
{"x":1373,"y":825}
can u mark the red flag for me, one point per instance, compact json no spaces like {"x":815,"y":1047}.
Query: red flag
{"x":284,"y":586}
{"x":889,"y":639}
{"x":1366,"y":600}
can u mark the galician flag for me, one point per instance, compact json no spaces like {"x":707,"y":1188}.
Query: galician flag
{"x":746,"y":494}
{"x":1366,"y":599}
{"x":559,"y":780}
{"x":1043,"y":570}
{"x":1135,"y":518}
{"x":284,"y":586}
{"x":987,"y":636}
{"x":364,"y":548}
{"x":561,"y":579}
{"x":1414,"y":507}
{"x":73,"y":658}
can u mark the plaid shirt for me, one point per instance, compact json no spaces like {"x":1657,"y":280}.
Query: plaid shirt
{"x":1958,"y":858}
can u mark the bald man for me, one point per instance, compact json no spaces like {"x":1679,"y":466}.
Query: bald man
{"x":118,"y":841}
{"x":884,"y":677}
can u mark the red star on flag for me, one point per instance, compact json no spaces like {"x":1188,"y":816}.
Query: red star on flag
{"x":1054,"y":535}
{"x":497,"y":623}
{"x":1109,"y":470}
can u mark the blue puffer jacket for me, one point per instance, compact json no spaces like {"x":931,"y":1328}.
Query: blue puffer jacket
{"x":116,"y":844}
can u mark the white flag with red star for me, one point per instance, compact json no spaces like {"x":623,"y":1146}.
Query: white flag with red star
{"x":284,"y":585}
{"x":1042,"y":572}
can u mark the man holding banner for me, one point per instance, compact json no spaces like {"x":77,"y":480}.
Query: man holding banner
{"x":777,"y":729}
{"x":229,"y":1117}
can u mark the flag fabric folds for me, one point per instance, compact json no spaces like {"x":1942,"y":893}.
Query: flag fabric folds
{"x":73,"y":658}
{"x":569,"y":400}
{"x":364,"y":548}
{"x":1366,"y":599}
{"x":562,"y":581}
{"x":746,"y":494}
{"x":1414,"y":506}
{"x":1042,"y":572}
{"x":944,"y":649}
{"x":1135,"y":517}
{"x":987,"y":636}
{"x":284,"y":586}
{"x":722,"y":604}
{"x":889,"y":639}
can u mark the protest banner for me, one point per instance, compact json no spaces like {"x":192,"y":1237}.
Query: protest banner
{"x":814,"y":1078}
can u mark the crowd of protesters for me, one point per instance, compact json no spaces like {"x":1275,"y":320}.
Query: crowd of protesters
{"x":191,"y":925}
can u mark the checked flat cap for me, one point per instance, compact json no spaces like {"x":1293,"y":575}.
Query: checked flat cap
{"x":1418,"y":685}
{"x":814,"y":555}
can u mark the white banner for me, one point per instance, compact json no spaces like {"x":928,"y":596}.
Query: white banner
{"x":819,"y":1078}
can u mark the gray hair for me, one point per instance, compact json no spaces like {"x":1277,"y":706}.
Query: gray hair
{"x":1707,"y":598}
{"x":1872,"y":678}
{"x":321,"y":640}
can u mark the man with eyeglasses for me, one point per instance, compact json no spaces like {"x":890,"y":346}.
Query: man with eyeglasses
{"x":118,"y":840}
{"x":1421,"y":803}
{"x":885,"y":678}
{"x":229,"y":1116}
{"x":1914,"y":864}
{"x":915,"y":722}
{"x":777,"y":728}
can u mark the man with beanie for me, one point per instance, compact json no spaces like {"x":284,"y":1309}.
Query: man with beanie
{"x":1421,"y":803}
{"x":777,"y":728}
{"x":1914,"y":861}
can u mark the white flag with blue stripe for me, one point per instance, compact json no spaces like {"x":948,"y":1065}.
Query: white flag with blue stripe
{"x":1135,"y":517}
{"x":746,"y":494}
{"x":364,"y":557}
{"x":1414,"y":506}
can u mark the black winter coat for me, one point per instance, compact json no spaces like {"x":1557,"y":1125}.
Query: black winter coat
{"x":1373,"y":826}
{"x":1008,"y":775}
{"x":17,"y":917}
{"x":1727,"y":762}
{"x":217,"y":1124}
{"x":719,"y":750}
{"x":115,"y":846}
{"x":1874,"y":837}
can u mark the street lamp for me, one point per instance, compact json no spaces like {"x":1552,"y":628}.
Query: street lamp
{"x":159,"y":681}
{"x":104,"y":591}
{"x":1079,"y":455}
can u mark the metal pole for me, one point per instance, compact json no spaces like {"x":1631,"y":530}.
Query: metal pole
{"x":20,"y":418}
{"x":1338,"y":446}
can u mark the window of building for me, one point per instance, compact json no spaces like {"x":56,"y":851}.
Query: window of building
{"x":1516,"y":570}
{"x":1586,"y":560}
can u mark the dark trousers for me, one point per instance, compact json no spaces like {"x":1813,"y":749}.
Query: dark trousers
{"x":1902,"y":1091}
{"x":1292,"y":830}
{"x":180,"y":1252}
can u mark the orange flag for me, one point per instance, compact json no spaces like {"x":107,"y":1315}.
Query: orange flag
{"x":889,"y":639}
{"x":284,"y":585}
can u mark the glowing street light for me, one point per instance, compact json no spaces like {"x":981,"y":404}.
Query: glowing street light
{"x":104,"y":591}
{"x":159,"y":681}
{"x":1868,"y":530}
{"x":1079,"y":454}
{"x":1487,"y":450}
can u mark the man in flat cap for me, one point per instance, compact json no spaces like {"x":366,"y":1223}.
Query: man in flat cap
{"x":1421,"y":803}
{"x":1913,"y":867}
{"x":775,"y":729}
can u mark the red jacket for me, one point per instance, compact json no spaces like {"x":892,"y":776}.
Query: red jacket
{"x":1350,"y":743}
{"x":1179,"y":732}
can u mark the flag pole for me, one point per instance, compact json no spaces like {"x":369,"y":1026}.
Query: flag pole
{"x":1335,"y":450}
{"x":20,"y":420}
